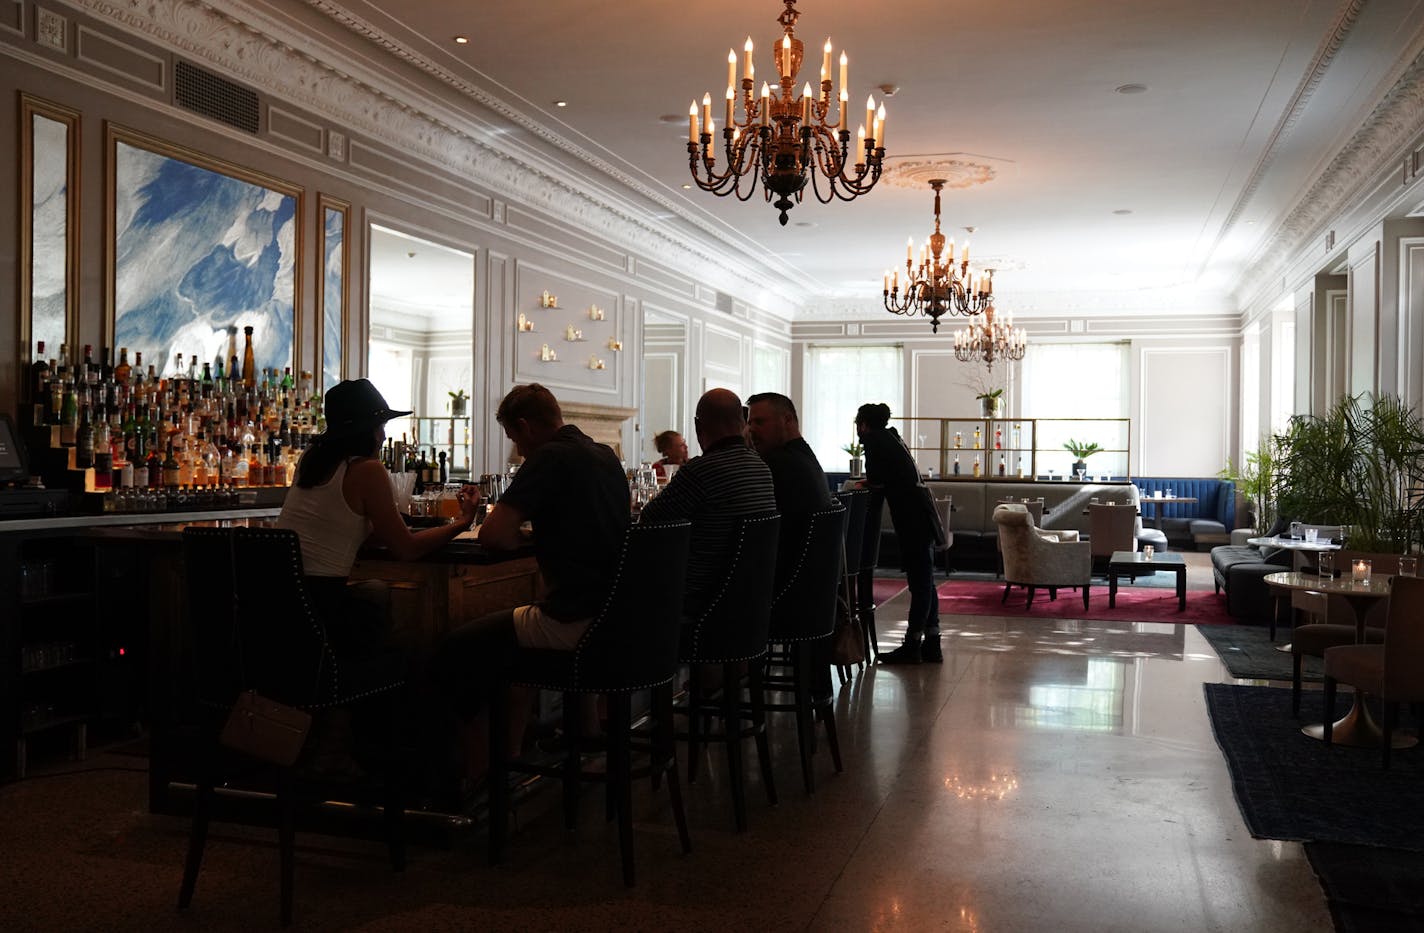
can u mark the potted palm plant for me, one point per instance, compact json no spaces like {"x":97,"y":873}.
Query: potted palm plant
{"x":1082,"y":450}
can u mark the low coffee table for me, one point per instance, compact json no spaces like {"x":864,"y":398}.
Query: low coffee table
{"x":1136,"y":564}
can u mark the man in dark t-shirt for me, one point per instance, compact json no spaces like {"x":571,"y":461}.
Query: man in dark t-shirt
{"x":574,"y":494}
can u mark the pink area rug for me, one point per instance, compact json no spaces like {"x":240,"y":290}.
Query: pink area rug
{"x":1134,"y":604}
{"x":886,"y":589}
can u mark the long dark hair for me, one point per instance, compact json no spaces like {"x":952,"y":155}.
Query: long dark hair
{"x":326,"y":451}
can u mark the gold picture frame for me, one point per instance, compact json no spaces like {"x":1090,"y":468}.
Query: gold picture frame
{"x":196,"y":247}
{"x":42,"y":241}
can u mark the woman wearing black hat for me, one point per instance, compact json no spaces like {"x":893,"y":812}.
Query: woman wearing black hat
{"x":343,"y":496}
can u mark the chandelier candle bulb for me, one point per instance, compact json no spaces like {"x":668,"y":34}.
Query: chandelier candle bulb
{"x":844,"y":103}
{"x":707,"y":113}
{"x":870,"y":115}
{"x":731,"y":71}
{"x":729,"y":105}
{"x":845,"y":85}
{"x":880,"y":127}
{"x":692,"y":123}
{"x":860,"y":146}
{"x":765,"y":103}
{"x":785,"y":59}
{"x":748,"y":72}
{"x":826,"y":60}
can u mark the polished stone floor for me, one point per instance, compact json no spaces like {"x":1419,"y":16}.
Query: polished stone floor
{"x":1047,"y":777}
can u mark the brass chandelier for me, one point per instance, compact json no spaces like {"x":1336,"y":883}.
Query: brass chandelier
{"x":985,"y":340}
{"x":936,"y":286}
{"x":782,"y":140}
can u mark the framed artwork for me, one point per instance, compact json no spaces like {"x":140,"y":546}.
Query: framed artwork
{"x":199,"y":249}
{"x":49,"y":225}
{"x":332,"y":297}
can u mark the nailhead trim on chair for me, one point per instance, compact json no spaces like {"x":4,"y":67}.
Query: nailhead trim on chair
{"x":697,"y":629}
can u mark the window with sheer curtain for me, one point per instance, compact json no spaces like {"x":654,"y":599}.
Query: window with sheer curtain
{"x":838,"y":381}
{"x":391,"y":370}
{"x":1077,"y":380}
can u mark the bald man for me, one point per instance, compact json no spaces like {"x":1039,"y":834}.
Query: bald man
{"x":712,"y":491}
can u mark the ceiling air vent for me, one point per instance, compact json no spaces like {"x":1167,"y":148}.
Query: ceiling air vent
{"x":217,"y":97}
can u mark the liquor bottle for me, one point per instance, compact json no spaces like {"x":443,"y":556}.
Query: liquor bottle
{"x":234,"y":371}
{"x":1016,"y":436}
{"x":956,"y":464}
{"x":1003,"y":465}
{"x":84,"y":439}
{"x":958,"y":439}
{"x":139,"y":473}
{"x":69,"y":415}
{"x":171,"y":468}
{"x":106,"y":369}
{"x":90,"y":372}
{"x":998,"y":439}
{"x":239,"y":466}
{"x":207,"y":383}
{"x":123,"y":371}
{"x":1021,"y":472}
{"x":155,"y":468}
{"x":978,"y":438}
{"x":39,"y":376}
{"x":978,"y":469}
{"x":249,"y":360}
{"x":101,"y":431}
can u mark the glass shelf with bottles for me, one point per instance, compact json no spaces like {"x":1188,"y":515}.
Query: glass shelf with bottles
{"x":448,"y":435}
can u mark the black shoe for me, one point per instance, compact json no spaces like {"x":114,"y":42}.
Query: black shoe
{"x":908,"y":653}
{"x":930,"y":651}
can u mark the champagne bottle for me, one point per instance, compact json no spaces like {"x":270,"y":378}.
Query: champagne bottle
{"x":249,"y":360}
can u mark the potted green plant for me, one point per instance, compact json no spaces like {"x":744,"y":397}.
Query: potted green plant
{"x":856,"y":451}
{"x":1082,"y":450}
{"x":991,"y":402}
{"x":459,"y":403}
{"x":1255,"y":483}
{"x":1360,"y":465}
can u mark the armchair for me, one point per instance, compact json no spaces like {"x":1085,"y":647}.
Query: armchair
{"x":1035,"y":558}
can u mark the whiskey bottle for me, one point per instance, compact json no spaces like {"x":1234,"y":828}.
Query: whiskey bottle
{"x":249,"y":360}
{"x":978,"y":469}
{"x":123,"y":371}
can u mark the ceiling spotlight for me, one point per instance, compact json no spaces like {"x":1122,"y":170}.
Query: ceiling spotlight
{"x":1131,"y":89}
{"x":686,"y":187}
{"x":561,"y":103}
{"x":462,"y":40}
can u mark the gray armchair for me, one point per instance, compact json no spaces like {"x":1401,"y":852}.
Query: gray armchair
{"x":1111,"y":528}
{"x":1036,"y":558}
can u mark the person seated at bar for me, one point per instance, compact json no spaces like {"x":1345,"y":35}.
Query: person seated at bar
{"x":574,"y":494}
{"x":673,"y":448}
{"x":727,"y":482}
{"x":342,"y":497}
{"x":796,"y":475}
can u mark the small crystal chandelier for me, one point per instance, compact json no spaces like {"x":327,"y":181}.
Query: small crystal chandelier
{"x":936,"y":287}
{"x":986,"y":340}
{"x":782,"y":140}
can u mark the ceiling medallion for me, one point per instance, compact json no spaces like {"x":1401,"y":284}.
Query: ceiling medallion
{"x":782,"y":140}
{"x":912,"y":172}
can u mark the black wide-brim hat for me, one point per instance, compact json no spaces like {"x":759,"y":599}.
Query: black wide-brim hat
{"x":354,"y":405}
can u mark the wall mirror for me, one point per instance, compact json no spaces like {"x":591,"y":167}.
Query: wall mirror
{"x":49,"y":223}
{"x":421,"y":348}
{"x":333,"y":297}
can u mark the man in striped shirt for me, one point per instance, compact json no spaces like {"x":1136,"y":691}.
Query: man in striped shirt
{"x":726,"y":483}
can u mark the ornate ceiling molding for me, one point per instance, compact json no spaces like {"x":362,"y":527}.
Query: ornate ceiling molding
{"x":245,"y":42}
{"x":916,"y":171}
{"x":1395,"y":120}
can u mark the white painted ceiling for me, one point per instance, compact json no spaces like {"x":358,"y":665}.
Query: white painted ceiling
{"x":1245,"y":103}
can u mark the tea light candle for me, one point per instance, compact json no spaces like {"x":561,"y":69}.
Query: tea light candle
{"x":1360,"y":571}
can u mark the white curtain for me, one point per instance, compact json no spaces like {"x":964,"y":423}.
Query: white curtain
{"x":838,"y":381}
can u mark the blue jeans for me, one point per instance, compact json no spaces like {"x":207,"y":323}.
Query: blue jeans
{"x":924,"y":600}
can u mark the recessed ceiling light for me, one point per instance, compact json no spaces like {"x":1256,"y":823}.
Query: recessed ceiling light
{"x":462,"y":40}
{"x":1121,"y":211}
{"x":561,"y":103}
{"x":1131,"y":89}
{"x":1250,"y":223}
{"x":686,"y":187}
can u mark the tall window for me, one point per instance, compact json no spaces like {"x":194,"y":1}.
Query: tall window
{"x":392,"y":372}
{"x":1079,"y":381}
{"x":838,"y":381}
{"x":1282,"y":376}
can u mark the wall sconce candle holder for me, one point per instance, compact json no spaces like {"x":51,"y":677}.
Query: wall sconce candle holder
{"x":572,"y":334}
{"x":595,"y":363}
{"x":615,"y":344}
{"x":525,"y":324}
{"x":547,"y":300}
{"x":547,"y":355}
{"x":595,"y":313}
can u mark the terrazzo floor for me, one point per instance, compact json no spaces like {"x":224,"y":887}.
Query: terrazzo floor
{"x":1048,"y":776}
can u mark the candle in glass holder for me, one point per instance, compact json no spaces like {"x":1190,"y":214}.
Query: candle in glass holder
{"x":1409,"y":566}
{"x":1360,"y":570}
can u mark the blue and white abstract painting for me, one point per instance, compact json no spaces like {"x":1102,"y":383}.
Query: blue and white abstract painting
{"x":333,"y":304}
{"x":199,"y":255}
{"x":49,"y":232}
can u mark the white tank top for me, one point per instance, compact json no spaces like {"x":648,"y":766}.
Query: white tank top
{"x":329,"y":531}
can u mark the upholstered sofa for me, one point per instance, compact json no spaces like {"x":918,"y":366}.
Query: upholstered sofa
{"x":1201,"y":524}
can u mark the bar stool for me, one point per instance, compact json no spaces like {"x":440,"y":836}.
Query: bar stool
{"x":254,"y":629}
{"x":865,"y":570}
{"x":855,"y":502}
{"x":629,"y":647}
{"x":733,"y":632}
{"x":803,"y":615}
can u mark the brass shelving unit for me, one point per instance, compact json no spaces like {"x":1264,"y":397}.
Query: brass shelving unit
{"x":1013,"y":441}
